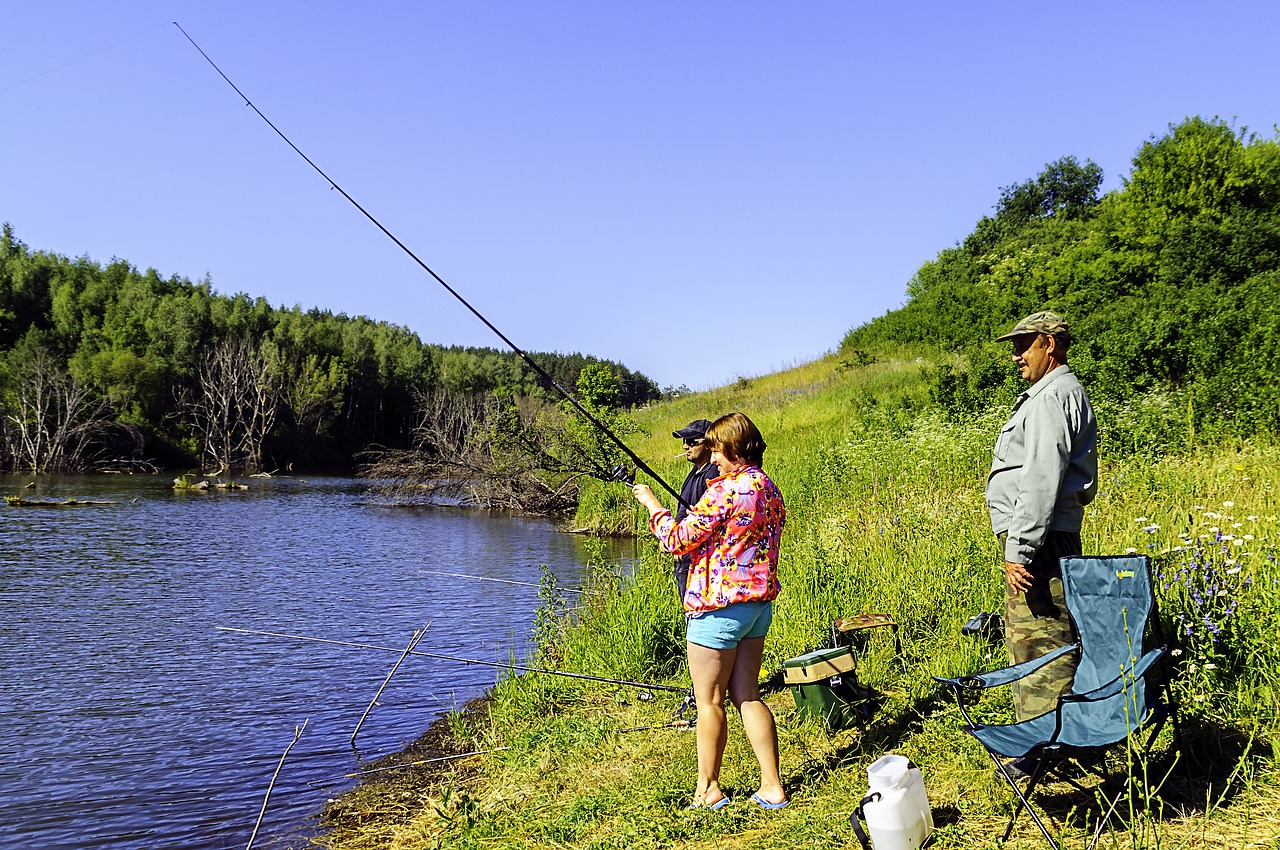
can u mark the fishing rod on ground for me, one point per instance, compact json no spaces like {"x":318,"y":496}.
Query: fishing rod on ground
{"x":619,"y":473}
{"x":643,"y":686}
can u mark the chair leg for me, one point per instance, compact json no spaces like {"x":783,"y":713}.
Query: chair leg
{"x":1023,"y":802}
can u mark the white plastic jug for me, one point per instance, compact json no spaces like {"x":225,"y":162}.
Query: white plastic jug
{"x":896,"y":807}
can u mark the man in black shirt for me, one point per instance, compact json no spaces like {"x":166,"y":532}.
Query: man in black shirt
{"x":695,"y":484}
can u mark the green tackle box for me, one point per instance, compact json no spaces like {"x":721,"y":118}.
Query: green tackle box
{"x":822,"y":682}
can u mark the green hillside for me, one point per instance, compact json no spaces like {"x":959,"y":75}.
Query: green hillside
{"x":1171,"y":284}
{"x":885,"y":513}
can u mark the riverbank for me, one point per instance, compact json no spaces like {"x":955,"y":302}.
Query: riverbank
{"x":885,"y":514}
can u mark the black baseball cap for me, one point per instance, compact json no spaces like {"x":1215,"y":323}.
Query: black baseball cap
{"x":694,"y":430}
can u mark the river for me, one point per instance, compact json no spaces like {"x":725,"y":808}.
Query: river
{"x":128,"y":719}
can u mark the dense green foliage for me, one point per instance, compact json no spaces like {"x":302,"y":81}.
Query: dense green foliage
{"x":135,"y":355}
{"x":1170,"y":285}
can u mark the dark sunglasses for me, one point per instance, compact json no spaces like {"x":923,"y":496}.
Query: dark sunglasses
{"x":696,"y":441}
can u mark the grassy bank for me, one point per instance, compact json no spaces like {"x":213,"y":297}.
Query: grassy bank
{"x":885,"y":513}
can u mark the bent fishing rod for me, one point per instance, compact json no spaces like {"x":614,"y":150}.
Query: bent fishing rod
{"x":617,"y":474}
{"x":523,"y":668}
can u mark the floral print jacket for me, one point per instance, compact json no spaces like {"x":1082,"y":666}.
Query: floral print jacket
{"x":732,"y":536}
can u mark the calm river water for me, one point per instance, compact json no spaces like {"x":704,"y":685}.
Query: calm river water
{"x":129,"y":720}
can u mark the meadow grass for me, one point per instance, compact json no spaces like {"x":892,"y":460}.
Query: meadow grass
{"x":885,"y":513}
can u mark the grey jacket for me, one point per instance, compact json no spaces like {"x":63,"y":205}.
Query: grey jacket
{"x":1045,"y":466}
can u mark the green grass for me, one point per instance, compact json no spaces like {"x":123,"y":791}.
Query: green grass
{"x":885,"y":513}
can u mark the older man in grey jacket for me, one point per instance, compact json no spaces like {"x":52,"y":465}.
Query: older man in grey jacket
{"x":1043,"y":472}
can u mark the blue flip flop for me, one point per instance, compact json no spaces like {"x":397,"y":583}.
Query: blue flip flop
{"x":765,"y":804}
{"x":716,"y":806}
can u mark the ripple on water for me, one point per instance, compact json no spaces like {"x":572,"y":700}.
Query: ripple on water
{"x":128,"y":720}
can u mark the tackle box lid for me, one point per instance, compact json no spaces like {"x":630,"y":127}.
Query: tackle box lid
{"x":818,"y":665}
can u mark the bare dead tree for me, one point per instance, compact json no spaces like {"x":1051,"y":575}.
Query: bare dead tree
{"x":235,"y":403}
{"x":485,"y":451}
{"x":49,"y":418}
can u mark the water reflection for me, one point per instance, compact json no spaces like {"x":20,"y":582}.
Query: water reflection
{"x":128,"y":720}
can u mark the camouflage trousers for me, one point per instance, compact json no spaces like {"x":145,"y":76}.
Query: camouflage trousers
{"x":1036,"y":622}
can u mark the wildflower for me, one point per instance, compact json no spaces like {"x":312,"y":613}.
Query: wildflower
{"x":1237,"y":542}
{"x":1252,"y":518}
{"x":1130,"y":551}
{"x":1141,"y":519}
{"x":1237,"y":524}
{"x":1175,"y":653}
{"x":1210,"y":666}
{"x":1228,"y":504}
{"x":1247,"y":537}
{"x":1151,"y":529}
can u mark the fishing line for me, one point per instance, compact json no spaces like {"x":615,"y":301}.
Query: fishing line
{"x":521,"y":667}
{"x":71,"y":62}
{"x":615,"y":475}
{"x":501,"y":580}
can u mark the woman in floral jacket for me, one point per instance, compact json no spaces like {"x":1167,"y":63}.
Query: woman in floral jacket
{"x":732,"y":536}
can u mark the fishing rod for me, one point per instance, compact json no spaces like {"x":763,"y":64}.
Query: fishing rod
{"x":618,"y":473}
{"x":642,"y":685}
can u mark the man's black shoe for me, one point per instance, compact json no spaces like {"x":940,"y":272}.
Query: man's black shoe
{"x":1021,"y":768}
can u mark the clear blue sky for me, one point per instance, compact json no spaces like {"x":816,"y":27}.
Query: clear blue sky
{"x":637,"y":181}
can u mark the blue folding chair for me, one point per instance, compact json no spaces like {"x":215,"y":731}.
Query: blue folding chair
{"x":1111,"y":605}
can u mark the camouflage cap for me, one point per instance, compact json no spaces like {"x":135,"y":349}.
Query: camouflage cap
{"x":1043,"y":322}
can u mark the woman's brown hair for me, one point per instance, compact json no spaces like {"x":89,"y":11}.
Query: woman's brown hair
{"x":737,"y":438}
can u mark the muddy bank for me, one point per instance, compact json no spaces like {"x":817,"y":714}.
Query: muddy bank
{"x":390,"y":789}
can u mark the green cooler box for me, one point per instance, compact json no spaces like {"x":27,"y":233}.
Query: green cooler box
{"x":817,"y":681}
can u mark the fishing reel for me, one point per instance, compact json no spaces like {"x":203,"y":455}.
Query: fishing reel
{"x":622,"y":474}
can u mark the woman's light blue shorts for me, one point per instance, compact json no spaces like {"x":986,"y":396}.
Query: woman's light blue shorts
{"x":724,"y":627}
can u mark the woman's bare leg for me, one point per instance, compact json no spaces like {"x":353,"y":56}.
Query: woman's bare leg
{"x":757,"y":719}
{"x":710,"y":670}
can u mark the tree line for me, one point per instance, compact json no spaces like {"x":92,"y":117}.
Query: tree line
{"x":109,"y":367}
{"x":1171,"y":285}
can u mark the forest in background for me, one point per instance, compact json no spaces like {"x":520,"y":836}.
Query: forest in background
{"x":109,"y":367}
{"x":1171,"y":285}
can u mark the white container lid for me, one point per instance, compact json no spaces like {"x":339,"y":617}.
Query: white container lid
{"x":887,"y":771}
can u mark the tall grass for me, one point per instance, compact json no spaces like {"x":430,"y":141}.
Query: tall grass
{"x":885,"y":513}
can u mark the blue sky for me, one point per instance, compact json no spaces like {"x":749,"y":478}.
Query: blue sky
{"x":700,"y":190}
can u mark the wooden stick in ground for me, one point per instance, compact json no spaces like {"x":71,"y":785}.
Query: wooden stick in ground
{"x":297,"y":733}
{"x":413,"y":642}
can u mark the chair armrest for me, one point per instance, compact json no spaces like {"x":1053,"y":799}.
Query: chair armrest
{"x":1116,"y":685}
{"x":1005,"y":675}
